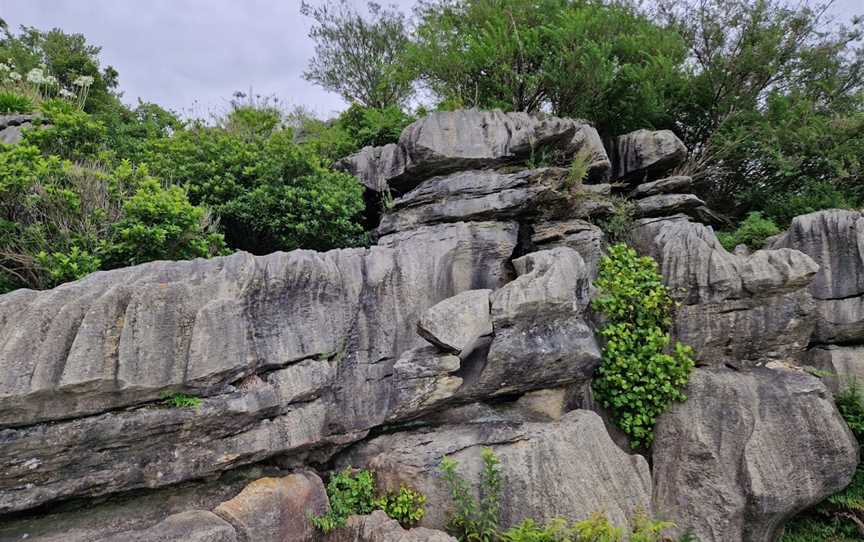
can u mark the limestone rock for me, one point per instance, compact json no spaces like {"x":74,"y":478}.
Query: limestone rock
{"x":455,"y":324}
{"x":448,"y":141}
{"x":11,"y":126}
{"x":844,"y":363}
{"x":735,"y":309}
{"x":839,"y":321}
{"x":835,"y":240}
{"x":667,"y":204}
{"x":568,"y":468}
{"x":490,"y":195}
{"x":377,"y":527}
{"x":748,"y":450}
{"x":423,"y":379}
{"x":580,"y":235}
{"x":277,"y":509}
{"x":193,"y":526}
{"x":670,"y":185}
{"x":644,"y":153}
{"x":274,"y":383}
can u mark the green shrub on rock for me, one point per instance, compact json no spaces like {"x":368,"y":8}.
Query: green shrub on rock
{"x":406,"y":506}
{"x":637,"y":378}
{"x":349,"y":493}
{"x":753,"y":231}
{"x":472,"y":519}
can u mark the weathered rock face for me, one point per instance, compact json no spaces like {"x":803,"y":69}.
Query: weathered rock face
{"x":671,"y":185}
{"x":844,"y":363}
{"x":568,"y":468}
{"x":643,"y":154}
{"x":457,"y":323}
{"x":11,"y":126}
{"x":580,"y":235}
{"x":735,"y":309}
{"x":748,"y":450}
{"x":485,"y":195}
{"x":450,"y":141}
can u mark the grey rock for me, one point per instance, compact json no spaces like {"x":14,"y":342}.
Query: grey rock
{"x":550,"y":282}
{"x":275,"y":384}
{"x":580,"y":235}
{"x":568,"y":468}
{"x":843,"y":363}
{"x":735,"y":309}
{"x":748,"y":450}
{"x":455,"y":324}
{"x":670,"y":185}
{"x":839,"y":321}
{"x":277,"y":509}
{"x":423,"y":380}
{"x":193,"y":526}
{"x":377,"y":527}
{"x":490,"y":195}
{"x":835,"y":240}
{"x":12,"y":125}
{"x":448,"y":141}
{"x":644,"y":153}
{"x":666,"y":204}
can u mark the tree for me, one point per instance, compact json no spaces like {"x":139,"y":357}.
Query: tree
{"x":752,"y":64}
{"x":606,"y":63}
{"x":359,"y":57}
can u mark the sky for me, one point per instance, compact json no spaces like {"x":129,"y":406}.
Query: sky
{"x":191,"y":55}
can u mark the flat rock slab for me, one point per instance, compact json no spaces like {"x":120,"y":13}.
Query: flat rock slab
{"x":455,"y":324}
{"x":644,"y":154}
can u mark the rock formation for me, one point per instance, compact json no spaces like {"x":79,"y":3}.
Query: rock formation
{"x":468,"y":324}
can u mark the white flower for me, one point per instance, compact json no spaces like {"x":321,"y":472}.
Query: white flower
{"x":83,"y":81}
{"x":36,"y":76}
{"x":68,"y":94}
{"x":49,"y":80}
{"x":15,"y":76}
{"x":4,"y":68}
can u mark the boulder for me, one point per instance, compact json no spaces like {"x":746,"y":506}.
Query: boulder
{"x":748,"y":450}
{"x":277,"y":509}
{"x":666,"y":205}
{"x":11,"y":126}
{"x":455,"y":324}
{"x":377,"y":527}
{"x":423,"y":379}
{"x":644,"y":154}
{"x":735,"y":309}
{"x":448,"y":141}
{"x":839,"y":321}
{"x":491,"y":195}
{"x":842,"y":363}
{"x":580,"y":235}
{"x":670,"y":185}
{"x":292,"y":353}
{"x":569,"y":468}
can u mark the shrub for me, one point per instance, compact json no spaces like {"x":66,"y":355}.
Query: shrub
{"x":753,"y":232}
{"x":636,"y":378}
{"x":67,"y":132}
{"x":181,"y":400}
{"x":67,"y":266}
{"x":406,"y":506}
{"x":349,"y":493}
{"x":619,"y":225}
{"x":12,"y":102}
{"x":472,"y":519}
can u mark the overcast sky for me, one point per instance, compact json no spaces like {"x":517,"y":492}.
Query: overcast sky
{"x":191,"y":55}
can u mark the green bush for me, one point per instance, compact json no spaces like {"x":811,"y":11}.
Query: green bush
{"x":12,"y":102}
{"x":753,"y":231}
{"x":619,"y":225}
{"x":349,"y":493}
{"x":181,"y":400}
{"x":472,"y":519}
{"x":68,"y":132}
{"x":68,"y":266}
{"x":637,"y":380}
{"x":407,"y":506}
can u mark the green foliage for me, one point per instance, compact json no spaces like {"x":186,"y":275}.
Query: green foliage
{"x":637,"y":379}
{"x":596,"y":528}
{"x":67,"y":266}
{"x":13,"y":102}
{"x":67,"y":132}
{"x":606,"y":63}
{"x":181,"y":400}
{"x":850,"y":403}
{"x":360,"y":57}
{"x":473,"y":519}
{"x":349,"y":493}
{"x":407,"y":506}
{"x":619,"y":225}
{"x":753,"y":232}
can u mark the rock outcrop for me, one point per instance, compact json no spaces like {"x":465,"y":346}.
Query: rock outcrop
{"x":569,"y":468}
{"x":748,"y":450}
{"x":467,"y":325}
{"x":11,"y":126}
